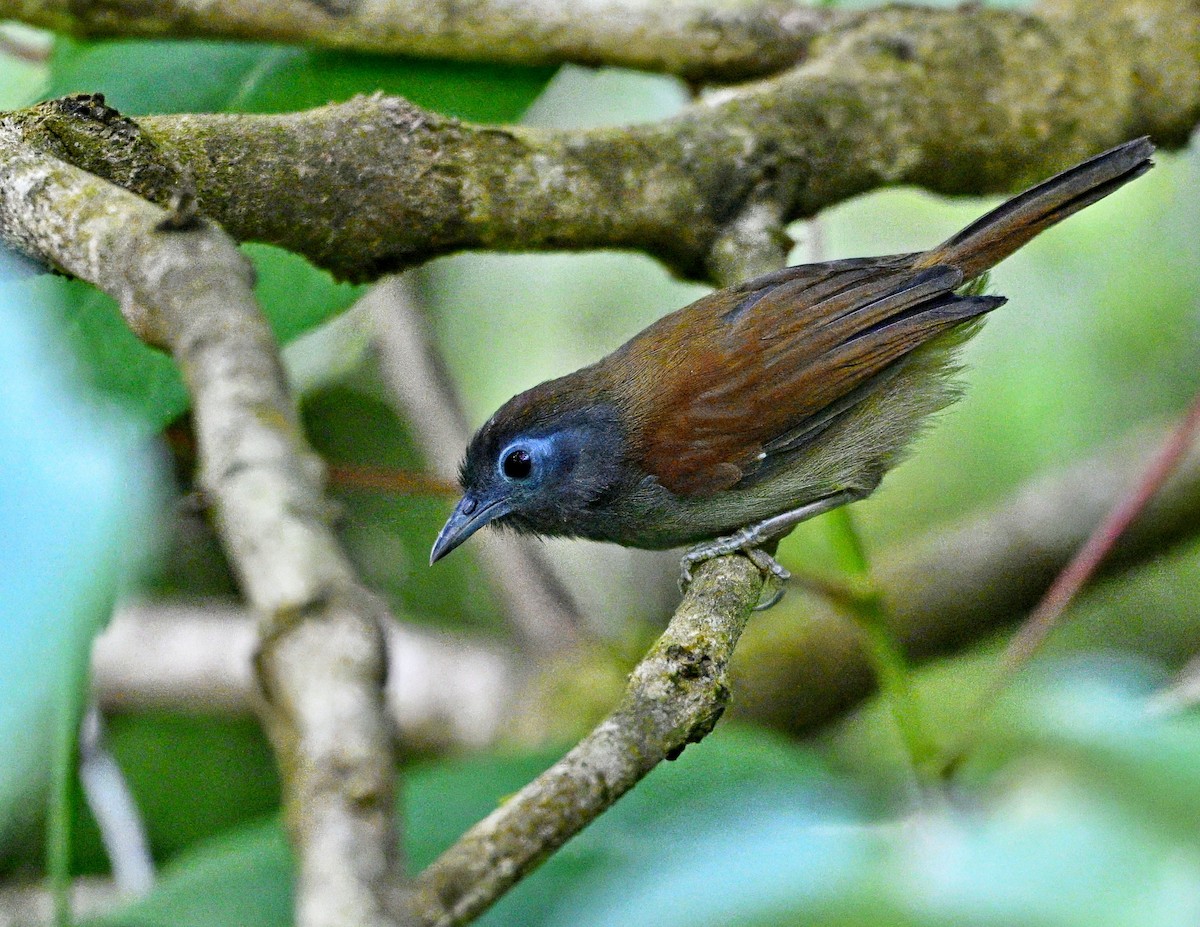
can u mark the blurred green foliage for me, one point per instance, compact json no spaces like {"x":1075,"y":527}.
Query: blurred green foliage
{"x":193,"y":775}
{"x":1078,"y":808}
{"x":77,"y":489}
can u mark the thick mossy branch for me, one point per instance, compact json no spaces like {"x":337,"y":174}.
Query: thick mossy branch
{"x":971,"y":100}
{"x":696,"y":39}
{"x":674,"y":698}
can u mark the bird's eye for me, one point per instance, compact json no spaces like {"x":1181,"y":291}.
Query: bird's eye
{"x":517,"y":464}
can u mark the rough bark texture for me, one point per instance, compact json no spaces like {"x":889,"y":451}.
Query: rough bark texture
{"x":716,"y":39}
{"x":973,"y":100}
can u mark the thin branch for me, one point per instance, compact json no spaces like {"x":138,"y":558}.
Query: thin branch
{"x":181,"y":282}
{"x":390,"y":480}
{"x":960,"y":101}
{"x":674,"y":698}
{"x":966,"y":100}
{"x":541,"y":609}
{"x":715,"y":39}
{"x":444,"y":692}
{"x":1076,"y":574}
{"x":1087,"y":562}
{"x":114,"y":810}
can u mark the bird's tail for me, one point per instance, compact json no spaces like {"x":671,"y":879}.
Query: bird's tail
{"x":992,"y":238}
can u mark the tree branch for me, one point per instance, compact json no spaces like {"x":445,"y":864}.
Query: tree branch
{"x":674,"y":698}
{"x":181,"y":282}
{"x":113,"y":808}
{"x":443,"y":692}
{"x":972,"y":100}
{"x":969,"y":100}
{"x":716,"y":39}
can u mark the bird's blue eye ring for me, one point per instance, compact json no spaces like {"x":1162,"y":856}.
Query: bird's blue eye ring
{"x":518,"y":464}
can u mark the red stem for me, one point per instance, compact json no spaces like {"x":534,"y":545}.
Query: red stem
{"x":1089,"y":558}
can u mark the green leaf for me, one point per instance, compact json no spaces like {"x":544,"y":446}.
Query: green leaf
{"x":75,"y":494}
{"x":163,"y":76}
{"x":295,"y":296}
{"x":106,"y":352}
{"x":244,"y":878}
{"x":748,"y":830}
{"x":1092,"y":717}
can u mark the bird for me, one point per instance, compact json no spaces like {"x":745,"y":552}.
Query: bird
{"x":726,"y":423}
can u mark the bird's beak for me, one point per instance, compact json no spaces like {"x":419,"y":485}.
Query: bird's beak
{"x":468,"y":516}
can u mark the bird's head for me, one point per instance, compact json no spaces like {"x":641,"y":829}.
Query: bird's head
{"x":539,"y":465}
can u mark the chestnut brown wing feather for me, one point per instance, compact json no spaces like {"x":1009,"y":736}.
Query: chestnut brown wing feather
{"x":741,"y":370}
{"x":749,"y":370}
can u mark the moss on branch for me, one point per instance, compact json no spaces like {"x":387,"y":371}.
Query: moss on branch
{"x":972,"y":100}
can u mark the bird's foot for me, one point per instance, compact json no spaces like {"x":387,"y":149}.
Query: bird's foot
{"x":746,"y":542}
{"x":751,"y":539}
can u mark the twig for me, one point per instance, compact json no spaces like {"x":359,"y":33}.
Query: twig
{"x":388,"y":480}
{"x":112,"y":805}
{"x":321,"y":660}
{"x":540,"y":608}
{"x":348,"y":476}
{"x":1086,"y":563}
{"x":674,"y":698}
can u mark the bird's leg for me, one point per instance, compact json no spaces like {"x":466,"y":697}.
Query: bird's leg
{"x":751,"y":539}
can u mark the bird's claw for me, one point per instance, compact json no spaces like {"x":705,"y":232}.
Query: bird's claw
{"x":774,"y":574}
{"x":771,"y":568}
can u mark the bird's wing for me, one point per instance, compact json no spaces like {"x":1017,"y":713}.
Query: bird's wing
{"x":714,"y":389}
